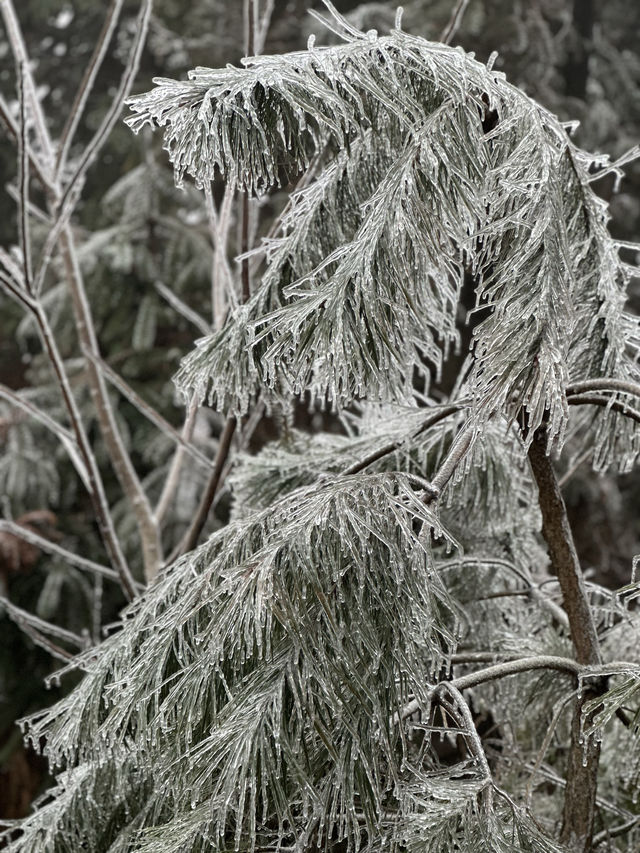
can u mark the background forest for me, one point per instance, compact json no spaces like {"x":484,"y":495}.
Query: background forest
{"x":146,"y":253}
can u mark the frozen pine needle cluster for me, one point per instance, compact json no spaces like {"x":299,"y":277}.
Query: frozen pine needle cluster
{"x":387,"y":649}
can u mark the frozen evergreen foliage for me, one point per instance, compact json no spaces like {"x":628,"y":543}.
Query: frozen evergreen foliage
{"x":318,"y":674}
{"x":425,"y":162}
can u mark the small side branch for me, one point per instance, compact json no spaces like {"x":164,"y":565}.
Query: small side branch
{"x":454,"y":21}
{"x":624,"y":386}
{"x":24,"y":619}
{"x":95,"y":485}
{"x":118,"y":456}
{"x":591,"y":399}
{"x":148,"y":411}
{"x":502,"y":670}
{"x":91,"y":71}
{"x":52,"y":548}
{"x":192,"y":535}
{"x":430,"y":421}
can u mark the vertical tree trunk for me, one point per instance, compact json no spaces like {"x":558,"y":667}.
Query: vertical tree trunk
{"x":582,"y":764}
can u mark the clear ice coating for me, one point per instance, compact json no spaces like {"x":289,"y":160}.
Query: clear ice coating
{"x":255,"y":696}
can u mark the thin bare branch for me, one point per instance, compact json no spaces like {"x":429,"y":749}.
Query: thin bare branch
{"x":23,"y":183}
{"x":192,"y":535}
{"x":36,"y":413}
{"x":52,"y":240}
{"x":246,"y":287}
{"x":21,"y":58}
{"x":173,"y":477}
{"x":590,"y":399}
{"x":568,"y":474}
{"x":555,"y":719}
{"x":106,"y":126}
{"x":52,"y":548}
{"x":147,"y":411}
{"x":534,"y":590}
{"x":457,"y":452}
{"x":96,"y":487}
{"x":34,"y":211}
{"x":182,"y":308}
{"x":430,"y":420}
{"x":222,"y":290}
{"x":615,"y":831}
{"x":96,"y":609}
{"x":21,"y":617}
{"x":85,"y":329}
{"x":118,"y":456}
{"x":35,"y":164}
{"x":15,"y":292}
{"x":604,"y":383}
{"x":263,"y":26}
{"x":501,"y":670}
{"x":86,"y":85}
{"x":472,"y":737}
{"x":455,"y":20}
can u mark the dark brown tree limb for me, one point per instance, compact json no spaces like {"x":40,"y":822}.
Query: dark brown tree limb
{"x":582,"y":763}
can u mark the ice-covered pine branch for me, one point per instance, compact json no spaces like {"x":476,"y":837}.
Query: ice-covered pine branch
{"x":427,"y":163}
{"x":254,"y":697}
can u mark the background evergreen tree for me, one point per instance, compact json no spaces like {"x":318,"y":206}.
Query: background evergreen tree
{"x":372,"y":653}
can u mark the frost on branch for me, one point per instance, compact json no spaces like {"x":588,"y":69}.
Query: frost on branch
{"x":424,"y":163}
{"x":273,"y":656}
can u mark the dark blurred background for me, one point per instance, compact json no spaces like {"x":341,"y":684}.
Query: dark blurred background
{"x":578,"y":58}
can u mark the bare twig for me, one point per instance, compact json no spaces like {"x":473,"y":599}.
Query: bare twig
{"x":118,"y":456}
{"x":429,"y":421}
{"x":83,"y":322}
{"x":534,"y":590}
{"x":263,"y":26}
{"x":457,"y":452}
{"x":615,"y":831}
{"x":86,"y":85}
{"x":604,"y":383}
{"x":15,"y":292}
{"x":52,"y":241}
{"x":98,"y":496}
{"x":52,"y":548}
{"x":222,"y":290}
{"x":148,"y":411}
{"x":190,"y":538}
{"x":501,"y":670}
{"x":555,"y":719}
{"x":568,"y":474}
{"x":111,"y":117}
{"x":34,"y":211}
{"x":19,"y":51}
{"x":472,"y":737}
{"x":557,"y":780}
{"x":173,"y":477}
{"x":96,"y":610}
{"x":36,"y":413}
{"x":22,"y":617}
{"x":23,"y":183}
{"x":454,"y":21}
{"x":13,"y":130}
{"x":182,"y":308}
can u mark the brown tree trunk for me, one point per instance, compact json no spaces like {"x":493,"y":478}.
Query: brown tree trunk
{"x":582,"y":763}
